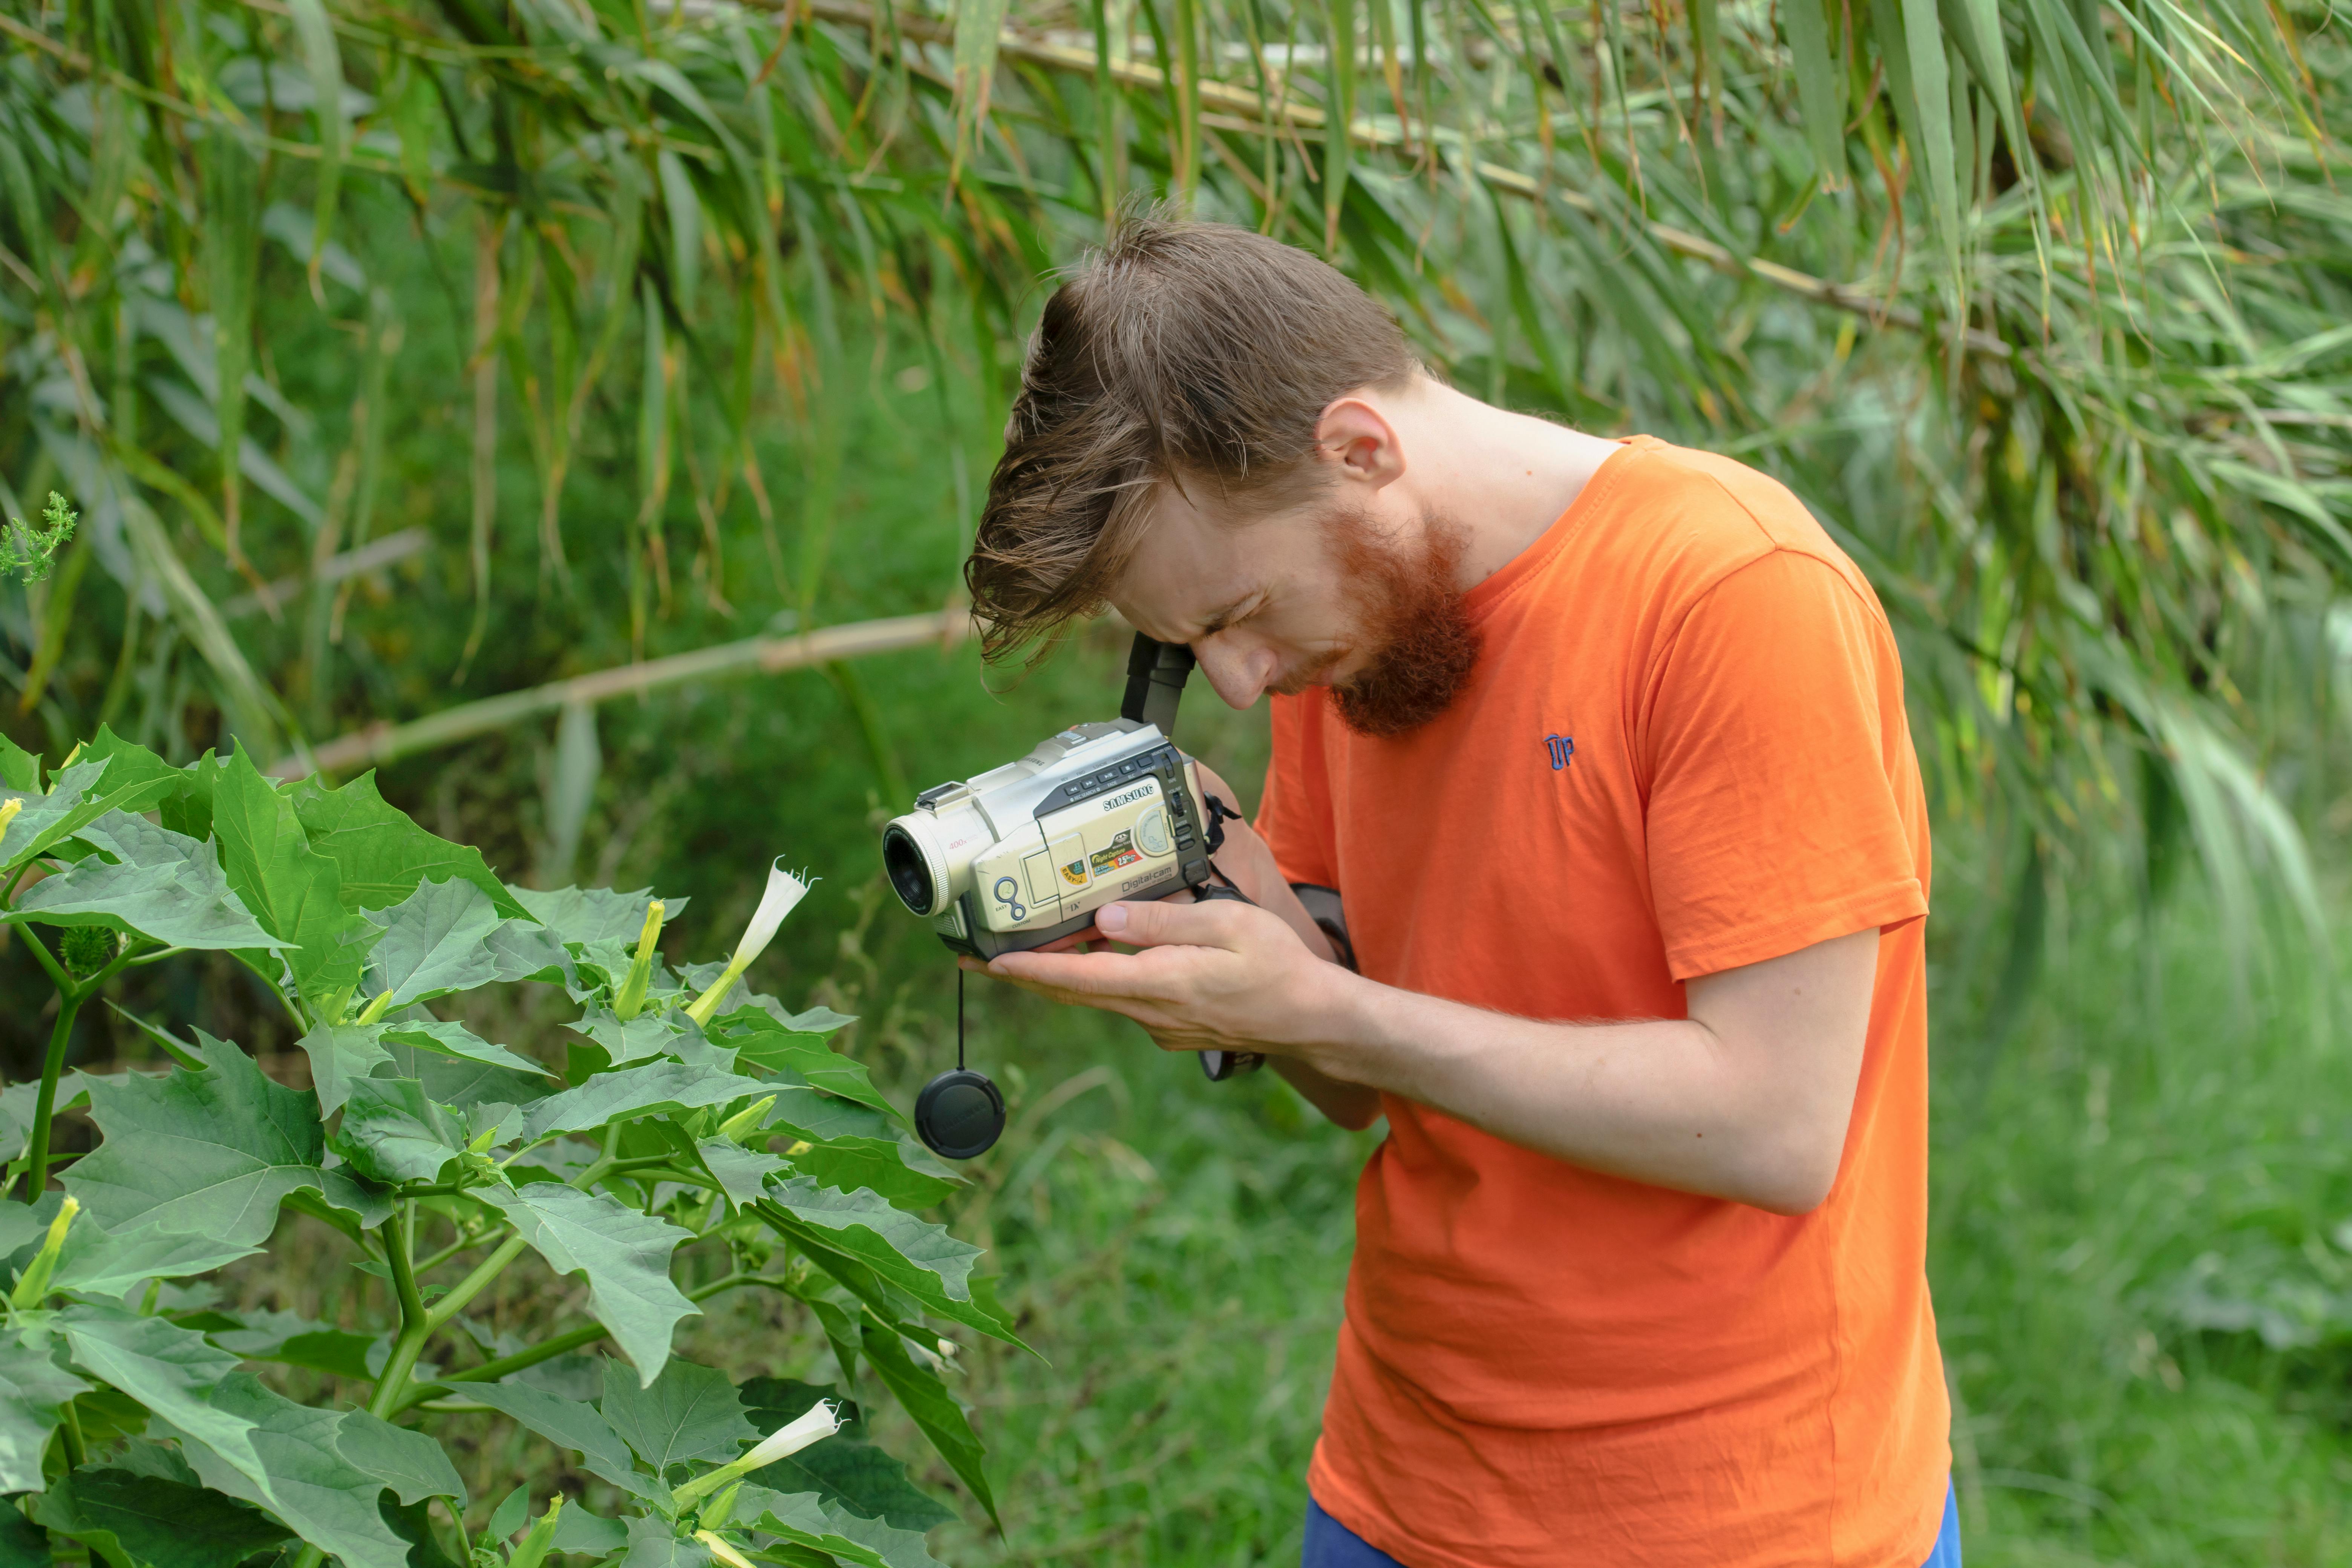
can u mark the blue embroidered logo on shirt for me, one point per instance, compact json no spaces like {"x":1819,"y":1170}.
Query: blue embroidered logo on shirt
{"x":1563,"y":751}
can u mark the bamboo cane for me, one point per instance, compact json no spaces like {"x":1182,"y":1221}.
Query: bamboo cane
{"x":383,"y":743}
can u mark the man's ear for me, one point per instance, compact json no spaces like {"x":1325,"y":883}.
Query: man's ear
{"x":1359,"y":439}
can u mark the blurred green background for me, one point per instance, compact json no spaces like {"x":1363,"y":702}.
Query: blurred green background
{"x":571,"y":337}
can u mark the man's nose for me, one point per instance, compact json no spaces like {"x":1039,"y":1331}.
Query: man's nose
{"x":1239,"y":670}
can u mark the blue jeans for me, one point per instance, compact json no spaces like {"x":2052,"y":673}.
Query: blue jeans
{"x":1330,"y":1544}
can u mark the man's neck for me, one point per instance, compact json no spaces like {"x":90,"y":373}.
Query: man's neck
{"x":1501,"y":477}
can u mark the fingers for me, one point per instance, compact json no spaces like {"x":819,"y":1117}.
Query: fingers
{"x":1091,"y":977}
{"x":1163,"y":923}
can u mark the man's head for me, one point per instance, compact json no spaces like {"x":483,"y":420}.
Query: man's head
{"x":1205,"y":438}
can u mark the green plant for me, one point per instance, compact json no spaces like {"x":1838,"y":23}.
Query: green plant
{"x":31,"y":552}
{"x":140,"y":1420}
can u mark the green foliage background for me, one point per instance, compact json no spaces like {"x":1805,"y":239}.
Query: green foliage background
{"x":572,"y":335}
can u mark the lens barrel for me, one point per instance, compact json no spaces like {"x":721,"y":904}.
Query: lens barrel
{"x":915,"y":873}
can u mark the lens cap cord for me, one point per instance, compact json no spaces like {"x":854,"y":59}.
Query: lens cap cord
{"x":959,"y":1115}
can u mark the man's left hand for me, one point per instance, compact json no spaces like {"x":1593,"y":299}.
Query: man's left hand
{"x":1222,"y":975}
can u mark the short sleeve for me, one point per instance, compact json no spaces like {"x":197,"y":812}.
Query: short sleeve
{"x":1783,"y":806}
{"x":1293,"y":814}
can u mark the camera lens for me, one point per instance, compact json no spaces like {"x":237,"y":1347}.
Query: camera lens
{"x":909,"y":871}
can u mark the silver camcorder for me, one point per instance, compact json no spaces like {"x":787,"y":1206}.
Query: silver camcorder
{"x":1022,"y":855}
{"x":1025,"y":854}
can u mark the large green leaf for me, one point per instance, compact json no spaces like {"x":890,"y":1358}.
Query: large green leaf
{"x":132,"y":767}
{"x":634,"y":1039}
{"x":433,"y":942}
{"x":174,"y":1371}
{"x":586,"y":1533}
{"x":340,"y":1053}
{"x":145,"y":1521}
{"x":523,"y":951}
{"x":763,"y":1042}
{"x":391,"y":1133}
{"x":846,"y":1468}
{"x":820,"y":1117}
{"x":382,"y":856}
{"x":809,"y":1519}
{"x":583,"y":915}
{"x":207,"y":1153}
{"x":742,"y":1173}
{"x":305,"y":1480}
{"x":935,"y":1410}
{"x":411,"y":1464}
{"x":45,"y":818}
{"x":463,"y":1084}
{"x":128,"y":788}
{"x":158,"y":883}
{"x":655,"y":1543}
{"x":658,"y":1087}
{"x":624,"y":1256}
{"x":913,"y":1254}
{"x":689,"y":1412}
{"x":32,"y":1387}
{"x":850,"y":1164}
{"x":570,"y":1423}
{"x":294,"y":891}
{"x":98,"y":1264}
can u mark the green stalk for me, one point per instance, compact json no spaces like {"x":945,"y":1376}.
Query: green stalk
{"x":548,"y":1350}
{"x":490,"y":1267}
{"x":37,"y":1164}
{"x":475,"y":1283}
{"x":463,"y":1243}
{"x":417,"y":1324}
{"x":71,"y":995}
{"x":76,"y":1450}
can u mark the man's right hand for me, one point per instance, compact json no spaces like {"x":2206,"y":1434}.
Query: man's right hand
{"x":1247,"y":862}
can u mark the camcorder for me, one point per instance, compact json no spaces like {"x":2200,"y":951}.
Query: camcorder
{"x":1022,"y":855}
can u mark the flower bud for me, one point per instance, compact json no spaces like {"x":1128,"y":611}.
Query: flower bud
{"x":533,"y":1547}
{"x":819,"y":1421}
{"x":35,"y":1281}
{"x":631,"y":1000}
{"x":785,"y":891}
{"x":722,"y":1550}
{"x":9,"y":810}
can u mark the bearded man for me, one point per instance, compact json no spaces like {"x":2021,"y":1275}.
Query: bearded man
{"x":1601,"y":745}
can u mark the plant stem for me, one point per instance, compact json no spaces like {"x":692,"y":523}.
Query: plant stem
{"x":37,"y":1164}
{"x":58,"y":975}
{"x":463,"y":1243}
{"x":417,"y":1325}
{"x":77,"y":1451}
{"x":475,"y":1283}
{"x":570,"y":1339}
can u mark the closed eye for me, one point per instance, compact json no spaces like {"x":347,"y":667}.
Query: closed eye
{"x":1239,"y":609}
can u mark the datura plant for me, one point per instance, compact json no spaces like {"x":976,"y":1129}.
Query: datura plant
{"x":695,"y":1139}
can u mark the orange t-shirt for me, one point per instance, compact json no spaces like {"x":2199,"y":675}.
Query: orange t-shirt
{"x":1683,"y":749}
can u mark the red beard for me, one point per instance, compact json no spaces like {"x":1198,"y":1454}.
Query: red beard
{"x":1414,"y":617}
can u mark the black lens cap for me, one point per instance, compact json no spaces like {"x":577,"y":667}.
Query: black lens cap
{"x":959,"y":1115}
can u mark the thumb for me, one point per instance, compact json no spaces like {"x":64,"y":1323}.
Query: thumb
{"x":1163,"y":923}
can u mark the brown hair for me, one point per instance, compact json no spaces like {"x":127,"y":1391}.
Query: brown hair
{"x":1177,"y":351}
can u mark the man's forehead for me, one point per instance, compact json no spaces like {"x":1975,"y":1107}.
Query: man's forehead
{"x":1187,"y":564}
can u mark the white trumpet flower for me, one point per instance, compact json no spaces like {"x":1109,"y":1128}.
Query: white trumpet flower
{"x":819,"y":1421}
{"x":785,"y":891}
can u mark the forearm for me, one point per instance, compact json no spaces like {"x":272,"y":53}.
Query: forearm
{"x":1664,"y":1101}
